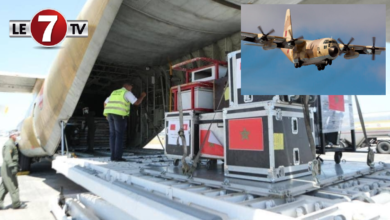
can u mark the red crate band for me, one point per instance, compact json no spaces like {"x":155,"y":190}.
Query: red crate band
{"x":336,"y":102}
{"x":212,"y":146}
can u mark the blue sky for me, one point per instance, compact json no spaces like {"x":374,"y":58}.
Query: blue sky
{"x":24,"y":55}
{"x":270,"y":72}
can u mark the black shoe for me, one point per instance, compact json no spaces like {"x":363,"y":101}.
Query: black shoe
{"x":121,"y":159}
{"x":22,"y":206}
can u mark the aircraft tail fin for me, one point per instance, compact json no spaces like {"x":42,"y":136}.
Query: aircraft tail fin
{"x":287,"y":26}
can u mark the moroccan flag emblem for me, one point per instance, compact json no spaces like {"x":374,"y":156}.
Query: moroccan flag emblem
{"x":336,"y":102}
{"x":246,"y":134}
{"x":212,"y":146}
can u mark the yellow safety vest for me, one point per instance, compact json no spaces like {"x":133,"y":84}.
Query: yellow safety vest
{"x":117,"y":104}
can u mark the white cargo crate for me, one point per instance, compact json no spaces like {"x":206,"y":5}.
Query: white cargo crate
{"x":173,"y":144}
{"x":203,"y":98}
{"x":213,"y":147}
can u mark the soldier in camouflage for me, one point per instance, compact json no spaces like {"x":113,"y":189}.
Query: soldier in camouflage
{"x":9,"y":170}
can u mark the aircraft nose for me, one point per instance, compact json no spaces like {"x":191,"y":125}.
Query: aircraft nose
{"x":333,"y":51}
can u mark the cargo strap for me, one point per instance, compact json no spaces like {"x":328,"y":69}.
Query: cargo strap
{"x":315,"y":170}
{"x":309,"y":130}
{"x":185,"y":168}
{"x":197,"y":158}
{"x":370,"y":153}
{"x":316,"y":163}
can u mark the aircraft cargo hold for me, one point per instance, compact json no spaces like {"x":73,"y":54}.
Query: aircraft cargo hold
{"x":226,"y":155}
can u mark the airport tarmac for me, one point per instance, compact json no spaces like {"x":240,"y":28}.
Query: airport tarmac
{"x":42,"y":185}
{"x":37,"y":190}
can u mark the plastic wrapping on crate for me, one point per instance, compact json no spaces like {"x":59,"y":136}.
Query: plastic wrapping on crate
{"x":337,"y":113}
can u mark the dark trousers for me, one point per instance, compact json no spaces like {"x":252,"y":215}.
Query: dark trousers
{"x":91,"y":137}
{"x":117,"y":132}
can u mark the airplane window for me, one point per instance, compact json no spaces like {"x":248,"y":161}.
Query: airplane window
{"x":325,"y":42}
{"x":325,"y":47}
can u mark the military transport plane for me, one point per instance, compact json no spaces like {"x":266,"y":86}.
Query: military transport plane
{"x":303,"y":52}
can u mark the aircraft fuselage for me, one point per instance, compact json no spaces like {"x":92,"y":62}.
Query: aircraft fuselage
{"x":317,"y":52}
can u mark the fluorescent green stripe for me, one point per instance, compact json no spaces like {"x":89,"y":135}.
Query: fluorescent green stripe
{"x":117,"y":108}
{"x":117,"y":102}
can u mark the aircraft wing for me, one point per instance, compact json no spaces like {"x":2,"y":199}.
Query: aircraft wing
{"x":250,"y":37}
{"x":281,"y":42}
{"x":364,"y":49}
{"x":19,"y":83}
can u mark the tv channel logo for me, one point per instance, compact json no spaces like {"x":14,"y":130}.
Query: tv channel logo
{"x":48,"y":27}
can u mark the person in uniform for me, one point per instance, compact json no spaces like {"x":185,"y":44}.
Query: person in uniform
{"x":90,"y":123}
{"x":9,"y":170}
{"x":117,"y":110}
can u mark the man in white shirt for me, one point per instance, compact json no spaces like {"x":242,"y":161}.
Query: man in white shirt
{"x":117,"y":110}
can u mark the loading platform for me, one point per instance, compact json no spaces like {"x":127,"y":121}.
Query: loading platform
{"x":149,"y":185}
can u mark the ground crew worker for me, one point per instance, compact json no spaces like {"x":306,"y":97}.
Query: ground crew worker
{"x":8,"y":173}
{"x":90,"y":123}
{"x":117,"y":110}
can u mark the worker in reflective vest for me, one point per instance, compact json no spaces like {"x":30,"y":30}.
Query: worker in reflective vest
{"x":117,"y":110}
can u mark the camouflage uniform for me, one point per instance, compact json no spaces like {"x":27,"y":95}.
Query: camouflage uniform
{"x":8,"y":174}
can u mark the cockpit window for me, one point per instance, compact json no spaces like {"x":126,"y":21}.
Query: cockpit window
{"x":332,"y":41}
{"x":326,"y":41}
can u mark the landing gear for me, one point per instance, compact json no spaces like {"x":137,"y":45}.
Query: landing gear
{"x":324,"y":64}
{"x":24,"y":163}
{"x":337,"y":156}
{"x":321,"y":67}
{"x":299,"y":64}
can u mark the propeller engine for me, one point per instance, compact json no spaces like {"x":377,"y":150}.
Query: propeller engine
{"x":292,"y":41}
{"x":346,"y":46}
{"x":265,"y":36}
{"x":373,"y":48}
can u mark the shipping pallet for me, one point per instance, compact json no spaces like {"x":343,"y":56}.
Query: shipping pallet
{"x":152,"y":183}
